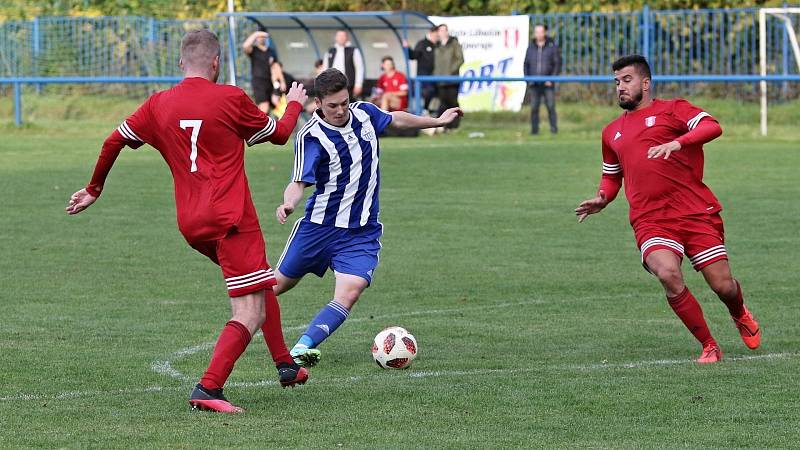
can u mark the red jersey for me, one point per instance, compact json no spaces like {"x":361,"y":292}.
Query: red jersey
{"x":199,"y":128}
{"x":658,"y":188}
{"x":395,"y":83}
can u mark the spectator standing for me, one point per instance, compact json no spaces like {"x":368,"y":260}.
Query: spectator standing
{"x":543,"y":58}
{"x":447,"y":61}
{"x":256,"y":46}
{"x":423,"y":52}
{"x":348,"y":60}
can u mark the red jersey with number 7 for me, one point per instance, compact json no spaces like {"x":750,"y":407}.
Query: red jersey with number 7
{"x":659,"y":188}
{"x":200,"y":128}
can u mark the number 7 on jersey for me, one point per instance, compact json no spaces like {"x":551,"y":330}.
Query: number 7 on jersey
{"x":195,"y":126}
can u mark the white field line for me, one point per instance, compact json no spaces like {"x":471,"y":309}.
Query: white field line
{"x":164,"y":366}
{"x":392,"y":375}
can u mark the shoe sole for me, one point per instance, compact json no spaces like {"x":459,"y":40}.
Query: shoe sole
{"x":308,"y":359}
{"x":205,"y":405}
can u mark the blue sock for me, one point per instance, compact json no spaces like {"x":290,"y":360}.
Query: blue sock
{"x":328,"y":319}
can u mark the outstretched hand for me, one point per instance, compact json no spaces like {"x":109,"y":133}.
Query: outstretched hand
{"x":591,"y":206}
{"x":663,"y":149}
{"x":80,"y":201}
{"x":450,"y":115}
{"x":283,"y":211}
{"x":297,"y":93}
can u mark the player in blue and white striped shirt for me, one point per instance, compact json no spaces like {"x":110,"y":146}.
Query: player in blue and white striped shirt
{"x":337,"y":151}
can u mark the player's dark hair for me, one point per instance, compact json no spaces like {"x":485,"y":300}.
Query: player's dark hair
{"x":639,"y":62}
{"x":330,"y":81}
{"x":387,"y":58}
{"x":199,"y":47}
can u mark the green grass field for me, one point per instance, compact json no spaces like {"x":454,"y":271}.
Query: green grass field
{"x":534,"y":331}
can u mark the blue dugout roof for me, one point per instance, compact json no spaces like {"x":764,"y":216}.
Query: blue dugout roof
{"x":300,"y":38}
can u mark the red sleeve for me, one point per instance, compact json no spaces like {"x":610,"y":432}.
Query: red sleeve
{"x":381,"y":82}
{"x":133,"y":132}
{"x":611,"y":180}
{"x":256,"y":127}
{"x":704,"y":131}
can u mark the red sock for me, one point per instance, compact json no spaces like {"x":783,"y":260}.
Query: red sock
{"x":231,"y":344}
{"x":273,"y":333}
{"x":735,"y":305}
{"x":690,"y":313}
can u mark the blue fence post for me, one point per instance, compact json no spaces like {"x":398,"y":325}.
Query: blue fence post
{"x":17,"y":104}
{"x":417,"y":97}
{"x":36,"y":49}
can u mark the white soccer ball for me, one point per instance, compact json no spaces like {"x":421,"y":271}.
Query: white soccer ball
{"x":394,"y":348}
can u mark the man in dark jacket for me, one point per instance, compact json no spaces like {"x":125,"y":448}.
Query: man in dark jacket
{"x":424,"y":52}
{"x":542,"y":58}
{"x":448,"y":58}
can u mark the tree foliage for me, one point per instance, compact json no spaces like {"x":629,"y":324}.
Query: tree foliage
{"x":184,"y":9}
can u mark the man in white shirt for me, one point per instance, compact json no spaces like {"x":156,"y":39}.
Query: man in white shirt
{"x":348,"y":60}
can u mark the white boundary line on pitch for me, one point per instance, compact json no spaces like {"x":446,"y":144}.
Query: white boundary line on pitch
{"x":164,"y":366}
{"x":391,"y":375}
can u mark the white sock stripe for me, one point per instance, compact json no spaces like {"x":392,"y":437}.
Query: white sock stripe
{"x":339,"y":308}
{"x":709,"y":257}
{"x":238,"y":285}
{"x":609,"y":165}
{"x":707,"y":251}
{"x":257,"y":272}
{"x":130,"y":131}
{"x":611,"y":172}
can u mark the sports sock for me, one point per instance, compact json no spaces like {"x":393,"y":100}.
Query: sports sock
{"x":230,"y":345}
{"x":273,"y":333}
{"x":328,"y":319}
{"x":688,"y":310}
{"x":735,"y":304}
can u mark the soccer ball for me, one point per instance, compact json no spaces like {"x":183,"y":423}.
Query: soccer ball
{"x":394,"y":348}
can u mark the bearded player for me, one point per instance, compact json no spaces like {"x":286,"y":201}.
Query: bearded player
{"x":199,"y":127}
{"x":656,"y":148}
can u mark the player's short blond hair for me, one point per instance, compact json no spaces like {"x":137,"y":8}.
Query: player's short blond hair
{"x":199,"y":48}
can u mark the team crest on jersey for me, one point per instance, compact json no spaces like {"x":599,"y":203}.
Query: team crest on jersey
{"x":367,"y":134}
{"x":650,"y":121}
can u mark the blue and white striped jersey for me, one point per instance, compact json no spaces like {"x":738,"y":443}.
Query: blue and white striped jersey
{"x":343,"y":164}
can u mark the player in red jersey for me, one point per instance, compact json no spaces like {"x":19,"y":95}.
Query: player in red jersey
{"x":656,"y":148}
{"x":199,"y":127}
{"x":392,"y":87}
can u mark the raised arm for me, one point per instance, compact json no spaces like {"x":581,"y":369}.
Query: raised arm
{"x":248,"y":44}
{"x":404,"y":120}
{"x":252,"y":122}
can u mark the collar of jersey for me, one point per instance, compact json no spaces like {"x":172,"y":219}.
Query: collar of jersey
{"x":347,"y":126}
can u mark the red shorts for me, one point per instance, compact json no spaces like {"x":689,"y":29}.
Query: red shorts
{"x":702,"y":239}
{"x":243,"y":260}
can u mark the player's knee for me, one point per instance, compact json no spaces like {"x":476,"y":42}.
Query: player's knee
{"x":671,"y":278}
{"x":724,"y":287}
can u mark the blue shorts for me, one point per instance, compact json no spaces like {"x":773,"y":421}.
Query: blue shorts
{"x":313,"y":248}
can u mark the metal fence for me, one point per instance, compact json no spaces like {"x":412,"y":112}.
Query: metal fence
{"x":688,"y":43}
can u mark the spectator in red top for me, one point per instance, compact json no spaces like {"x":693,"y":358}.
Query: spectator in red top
{"x":392,"y":89}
